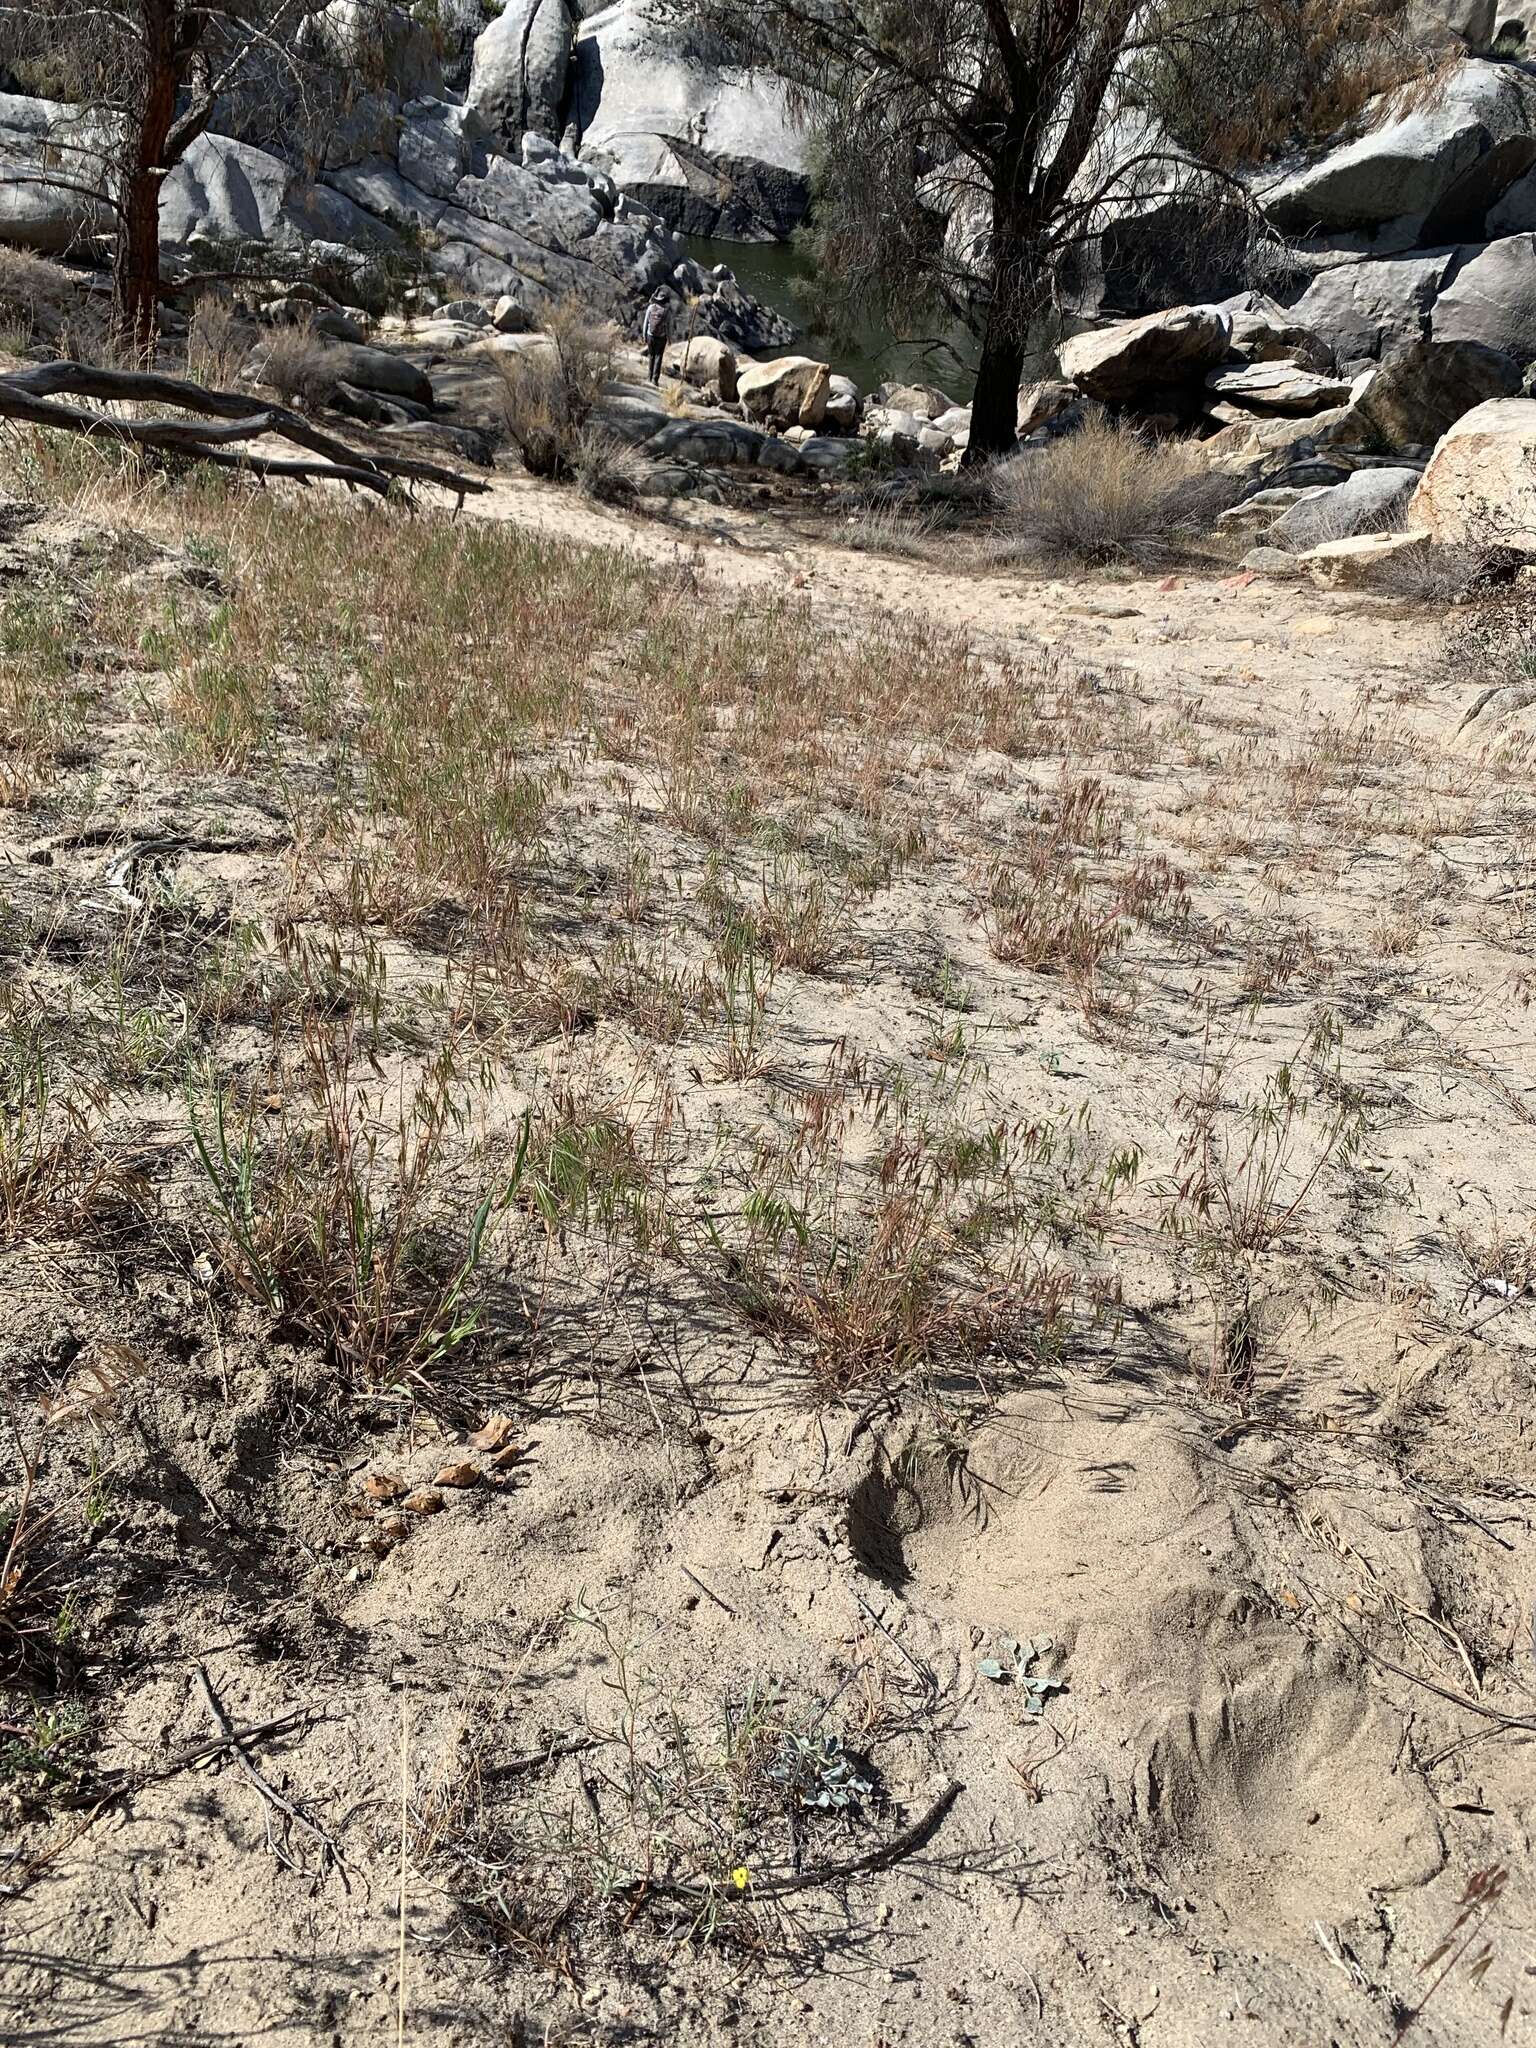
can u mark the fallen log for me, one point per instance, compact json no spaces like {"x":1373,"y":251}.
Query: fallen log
{"x":32,"y":397}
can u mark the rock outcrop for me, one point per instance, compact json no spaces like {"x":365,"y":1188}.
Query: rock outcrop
{"x":1480,"y":485}
{"x":1363,"y":308}
{"x":711,"y":152}
{"x":1277,"y":386}
{"x":1430,"y":177}
{"x":527,"y":229}
{"x":227,"y":191}
{"x":1369,"y":501}
{"x":53,"y":214}
{"x":1492,"y":299}
{"x":518,"y":73}
{"x":1424,"y":387}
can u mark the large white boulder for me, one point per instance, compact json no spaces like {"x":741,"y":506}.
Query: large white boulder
{"x":521,"y":61}
{"x":710,"y":364}
{"x":49,"y":148}
{"x":713,"y":152}
{"x":1492,"y":299}
{"x":230,"y":191}
{"x":1363,"y":309}
{"x":1115,"y":364}
{"x":1370,"y":501}
{"x":1424,"y":387}
{"x":790,"y":391}
{"x":1434,"y":173}
{"x":1480,"y":485}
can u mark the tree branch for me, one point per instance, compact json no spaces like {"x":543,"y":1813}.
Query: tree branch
{"x":29,"y":396}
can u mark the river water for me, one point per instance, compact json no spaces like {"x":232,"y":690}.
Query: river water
{"x":781,"y":276}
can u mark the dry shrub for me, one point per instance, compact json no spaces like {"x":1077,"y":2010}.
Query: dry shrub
{"x":1238,"y":85}
{"x":1493,"y":645}
{"x":1443,"y":573}
{"x":218,"y":343}
{"x":1103,"y":495}
{"x":551,"y":392}
{"x":607,"y":468}
{"x":36,"y":297}
{"x":300,"y":367}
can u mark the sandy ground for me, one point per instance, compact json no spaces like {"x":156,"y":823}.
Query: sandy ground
{"x":1290,"y":1624}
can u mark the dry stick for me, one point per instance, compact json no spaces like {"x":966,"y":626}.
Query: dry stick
{"x":184,"y":437}
{"x":925,"y":1678}
{"x":405,"y":1800}
{"x":916,"y":1837}
{"x":86,"y":380}
{"x":28,"y":396}
{"x":538,"y":1759}
{"x":708,"y":1592}
{"x":198,"y":1752}
{"x":212,"y":1746}
{"x":1525,"y":1721}
{"x":274,"y":1800}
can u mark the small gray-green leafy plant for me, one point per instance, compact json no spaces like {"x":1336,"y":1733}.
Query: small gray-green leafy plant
{"x":1011,"y":1665}
{"x":818,"y":1773}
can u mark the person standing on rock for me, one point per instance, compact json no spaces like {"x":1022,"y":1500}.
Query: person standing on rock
{"x":656,"y":328}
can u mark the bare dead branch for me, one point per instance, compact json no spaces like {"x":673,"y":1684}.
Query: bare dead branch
{"x":30,"y":396}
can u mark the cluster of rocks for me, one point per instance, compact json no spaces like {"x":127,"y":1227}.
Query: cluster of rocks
{"x":549,"y":148}
{"x":791,"y":416}
{"x":709,"y":151}
{"x":513,"y":153}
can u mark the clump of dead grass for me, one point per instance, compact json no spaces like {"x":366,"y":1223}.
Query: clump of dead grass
{"x":218,"y":343}
{"x":36,"y":298}
{"x":606,"y":467}
{"x":551,"y":391}
{"x":300,"y":367}
{"x":1103,"y":495}
{"x":338,"y":1221}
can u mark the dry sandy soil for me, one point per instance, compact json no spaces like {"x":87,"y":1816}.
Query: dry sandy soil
{"x":997,"y":1376}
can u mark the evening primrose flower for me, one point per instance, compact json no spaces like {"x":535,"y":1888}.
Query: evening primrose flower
{"x":741,"y":1877}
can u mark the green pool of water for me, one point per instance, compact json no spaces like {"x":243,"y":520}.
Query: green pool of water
{"x":779,"y":274}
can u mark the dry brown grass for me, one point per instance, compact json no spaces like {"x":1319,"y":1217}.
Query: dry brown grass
{"x":340,"y":1219}
{"x":607,"y":468}
{"x":1103,"y":495}
{"x":550,"y":393}
{"x":37,"y":298}
{"x":300,"y":366}
{"x":218,"y":343}
{"x":1241,"y":85}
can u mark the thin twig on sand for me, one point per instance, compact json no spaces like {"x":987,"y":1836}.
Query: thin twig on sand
{"x":289,"y":1813}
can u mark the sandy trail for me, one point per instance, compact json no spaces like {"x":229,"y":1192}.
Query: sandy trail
{"x":1232,"y":1823}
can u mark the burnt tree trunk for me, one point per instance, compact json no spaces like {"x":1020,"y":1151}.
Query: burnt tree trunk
{"x":168,"y":39}
{"x":1017,"y":297}
{"x":995,"y":407}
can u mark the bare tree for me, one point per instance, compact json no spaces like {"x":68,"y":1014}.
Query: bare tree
{"x":972,"y":152}
{"x":150,"y":77}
